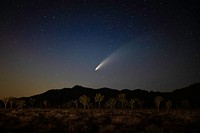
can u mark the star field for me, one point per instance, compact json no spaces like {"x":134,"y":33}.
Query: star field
{"x":154,"y":45}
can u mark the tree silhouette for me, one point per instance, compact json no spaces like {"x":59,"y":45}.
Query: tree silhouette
{"x":98,"y":98}
{"x":84,"y":100}
{"x":122,"y":98}
{"x":20,"y":103}
{"x":75,"y":103}
{"x":111,"y":103}
{"x":45,"y":102}
{"x":132,"y":102}
{"x":32,"y":101}
{"x":69,"y":104}
{"x":11,"y":101}
{"x":168,"y":105}
{"x":89,"y":105}
{"x":5,"y":101}
{"x":138,"y":102}
{"x":157,"y":102}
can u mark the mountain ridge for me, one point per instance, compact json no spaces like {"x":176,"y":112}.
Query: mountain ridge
{"x":60,"y":96}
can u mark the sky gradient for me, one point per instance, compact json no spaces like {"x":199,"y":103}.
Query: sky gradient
{"x":150,"y":45}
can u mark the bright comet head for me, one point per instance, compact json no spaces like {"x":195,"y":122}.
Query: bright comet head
{"x":101,"y":64}
{"x":97,"y":67}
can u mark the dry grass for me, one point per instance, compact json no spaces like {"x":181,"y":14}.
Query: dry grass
{"x":100,"y":121}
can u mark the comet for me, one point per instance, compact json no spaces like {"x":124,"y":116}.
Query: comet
{"x":98,"y":67}
{"x":119,"y":54}
{"x":101,"y":64}
{"x":108,"y":59}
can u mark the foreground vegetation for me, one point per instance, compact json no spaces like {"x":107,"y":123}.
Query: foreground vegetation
{"x":99,"y":113}
{"x":99,"y":120}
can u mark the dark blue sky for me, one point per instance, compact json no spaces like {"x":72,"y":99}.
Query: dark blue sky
{"x":150,"y":45}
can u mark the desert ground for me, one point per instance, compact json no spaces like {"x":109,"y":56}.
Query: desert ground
{"x":99,"y":121}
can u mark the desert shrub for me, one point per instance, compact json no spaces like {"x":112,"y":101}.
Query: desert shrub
{"x":133,"y":121}
{"x":61,"y":120}
{"x":118,"y":119}
{"x":107,"y":129}
{"x":152,"y":129}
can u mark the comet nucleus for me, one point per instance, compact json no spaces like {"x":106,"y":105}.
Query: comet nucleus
{"x":101,"y":64}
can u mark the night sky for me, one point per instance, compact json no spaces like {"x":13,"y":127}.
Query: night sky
{"x":144,"y":44}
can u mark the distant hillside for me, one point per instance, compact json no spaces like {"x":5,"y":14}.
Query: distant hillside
{"x":57,"y":97}
{"x":187,"y":97}
{"x":190,"y":93}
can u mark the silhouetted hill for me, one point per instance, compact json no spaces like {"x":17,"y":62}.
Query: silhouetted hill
{"x":187,"y":97}
{"x":190,"y":94}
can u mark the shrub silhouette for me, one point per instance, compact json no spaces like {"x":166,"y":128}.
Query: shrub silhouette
{"x":32,"y":101}
{"x":45,"y":102}
{"x":20,"y":103}
{"x":12,"y":100}
{"x":111,"y":103}
{"x":75,"y":103}
{"x":157,"y":102}
{"x":168,"y":105}
{"x":132,"y":102}
{"x":84,"y":100}
{"x":122,"y":98}
{"x":5,"y":101}
{"x":98,"y":98}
